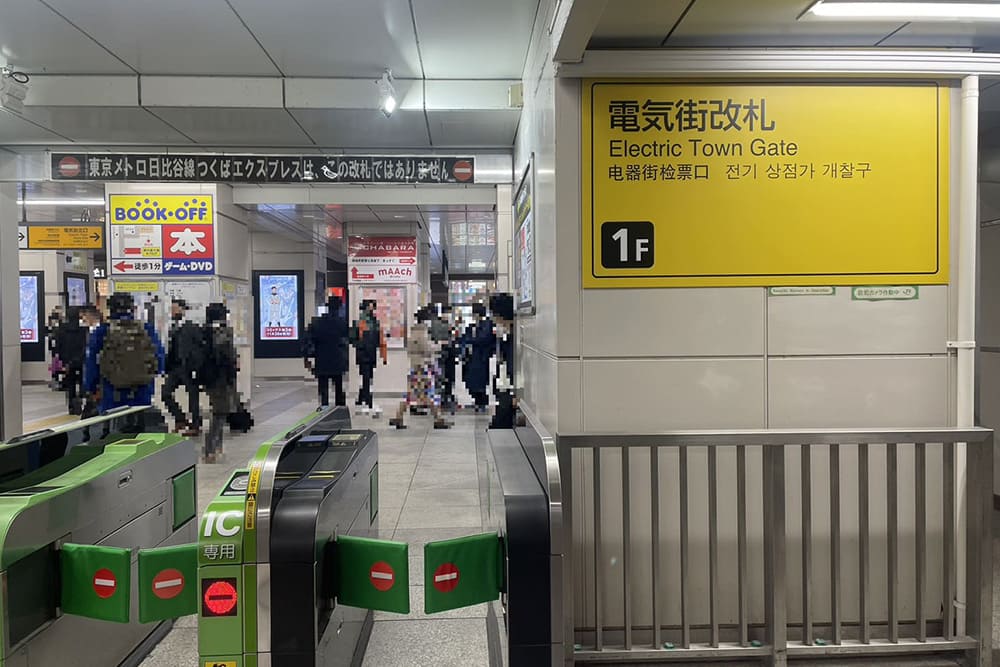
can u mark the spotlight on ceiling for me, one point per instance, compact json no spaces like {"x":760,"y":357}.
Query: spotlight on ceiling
{"x":387,"y":102}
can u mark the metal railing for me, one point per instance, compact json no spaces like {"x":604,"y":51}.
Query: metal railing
{"x":689,"y":545}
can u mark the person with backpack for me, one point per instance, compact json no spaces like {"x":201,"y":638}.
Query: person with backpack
{"x":124,"y":356}
{"x":480,"y":344}
{"x":326,"y":342}
{"x":218,"y":376}
{"x":368,"y":339}
{"x":71,"y":350}
{"x":185,"y":359}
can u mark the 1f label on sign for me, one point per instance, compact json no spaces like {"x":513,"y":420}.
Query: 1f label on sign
{"x":627,"y":245}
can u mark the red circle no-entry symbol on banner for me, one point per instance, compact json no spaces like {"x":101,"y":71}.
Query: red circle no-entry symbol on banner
{"x":168,"y":584}
{"x":105,"y":583}
{"x":69,"y":167}
{"x":446,"y":577}
{"x":382,"y":576}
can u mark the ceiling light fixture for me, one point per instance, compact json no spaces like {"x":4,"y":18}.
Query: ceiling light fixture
{"x":387,"y":101}
{"x":906,"y":11}
{"x":60,"y":202}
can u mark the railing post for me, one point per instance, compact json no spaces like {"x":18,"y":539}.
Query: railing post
{"x":775,"y":610}
{"x":980,"y":551}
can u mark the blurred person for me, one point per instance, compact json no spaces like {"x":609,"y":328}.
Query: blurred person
{"x":326,"y":343}
{"x":123,"y":358}
{"x":51,"y":333}
{"x":186,"y":358}
{"x":443,"y":333}
{"x":369,"y":342}
{"x":502,"y":308}
{"x":479,"y":344}
{"x":422,"y":350}
{"x":219,"y":377}
{"x":71,"y":350}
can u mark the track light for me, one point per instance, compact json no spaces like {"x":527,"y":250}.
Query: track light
{"x":906,"y":11}
{"x":387,"y":102}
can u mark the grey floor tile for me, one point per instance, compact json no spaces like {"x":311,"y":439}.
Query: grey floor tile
{"x":388,"y":518}
{"x":459,"y":642}
{"x":396,"y":471}
{"x":431,"y":498}
{"x":178,"y":649}
{"x":417,"y":605}
{"x":443,"y":517}
{"x":445,"y":476}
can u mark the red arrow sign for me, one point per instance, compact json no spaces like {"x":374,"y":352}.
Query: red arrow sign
{"x":407,"y":260}
{"x":382,"y":576}
{"x":446,"y":577}
{"x":122,"y":266}
{"x":131,"y":251}
{"x":168,"y":584}
{"x":360,"y":276}
{"x":105,"y":583}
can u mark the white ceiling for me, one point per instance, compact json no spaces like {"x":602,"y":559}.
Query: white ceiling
{"x":764,"y":23}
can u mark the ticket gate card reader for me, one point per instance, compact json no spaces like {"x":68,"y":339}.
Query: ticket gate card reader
{"x":264,"y":565}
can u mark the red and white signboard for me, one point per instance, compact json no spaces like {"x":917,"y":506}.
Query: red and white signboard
{"x":382,"y":259}
{"x":382,"y":576}
{"x":446,"y":577}
{"x":168,"y":584}
{"x":105,"y":583}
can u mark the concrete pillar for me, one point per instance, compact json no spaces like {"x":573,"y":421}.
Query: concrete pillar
{"x":10,"y":318}
{"x":505,"y":239}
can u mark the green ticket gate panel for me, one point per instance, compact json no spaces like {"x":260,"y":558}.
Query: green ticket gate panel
{"x":268,"y":536}
{"x":96,"y":581}
{"x":372,"y":574}
{"x":75,"y":501}
{"x":461,"y":572}
{"x":168,"y":582}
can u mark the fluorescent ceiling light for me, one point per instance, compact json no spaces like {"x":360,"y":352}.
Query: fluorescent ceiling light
{"x":386,"y":94}
{"x":907,"y":11}
{"x":61,"y":202}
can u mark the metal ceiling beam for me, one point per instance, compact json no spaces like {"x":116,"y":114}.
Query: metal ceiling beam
{"x":572,"y":27}
{"x":699,"y":63}
{"x":262,"y":92}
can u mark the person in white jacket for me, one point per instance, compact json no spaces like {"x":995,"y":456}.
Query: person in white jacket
{"x":423,"y":377}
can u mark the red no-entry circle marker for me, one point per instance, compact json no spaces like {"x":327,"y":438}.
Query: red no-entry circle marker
{"x":220,"y":598}
{"x":462,"y":170}
{"x":168,"y":584}
{"x":69,"y":167}
{"x":105,"y":583}
{"x":382,"y":576}
{"x":446,"y":577}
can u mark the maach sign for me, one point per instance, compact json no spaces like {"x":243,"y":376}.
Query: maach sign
{"x":162,"y":235}
{"x":382,"y":259}
{"x":717,"y":185}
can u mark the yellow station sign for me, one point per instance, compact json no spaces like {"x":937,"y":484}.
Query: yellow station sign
{"x":764,"y":185}
{"x":65,"y":237}
{"x":148,"y":286}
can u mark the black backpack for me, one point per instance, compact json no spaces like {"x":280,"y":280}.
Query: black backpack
{"x":220,"y":355}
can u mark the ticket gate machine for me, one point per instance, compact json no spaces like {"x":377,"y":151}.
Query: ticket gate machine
{"x":271,"y":600}
{"x":101,"y":481}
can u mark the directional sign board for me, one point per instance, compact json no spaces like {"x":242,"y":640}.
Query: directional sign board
{"x":64,"y":237}
{"x":750,"y":184}
{"x":382,"y":259}
{"x":157,"y":234}
{"x":22,"y":237}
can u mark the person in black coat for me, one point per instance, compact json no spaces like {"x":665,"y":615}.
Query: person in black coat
{"x":71,"y":348}
{"x":502,"y":307}
{"x":326,"y":342}
{"x":480,"y":344}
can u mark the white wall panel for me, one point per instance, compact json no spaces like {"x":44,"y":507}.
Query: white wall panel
{"x":244,"y":127}
{"x":643,"y":395}
{"x":858,"y":392}
{"x":540,"y":388}
{"x":106,"y":125}
{"x":673,"y":322}
{"x":16,"y":130}
{"x":820,"y":325}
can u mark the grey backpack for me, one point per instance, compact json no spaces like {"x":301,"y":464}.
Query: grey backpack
{"x":128,"y":356}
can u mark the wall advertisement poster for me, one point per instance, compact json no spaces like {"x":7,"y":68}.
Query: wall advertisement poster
{"x":279,"y":307}
{"x":524,"y":241}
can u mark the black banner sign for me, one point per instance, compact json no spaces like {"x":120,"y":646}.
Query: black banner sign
{"x":204,"y":168}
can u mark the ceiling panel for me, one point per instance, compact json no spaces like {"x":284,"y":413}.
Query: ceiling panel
{"x":733,"y":23}
{"x":175,"y":37}
{"x":636,"y":23}
{"x":348,"y":38}
{"x":236,"y":127}
{"x":364,"y":128}
{"x":480,"y":129}
{"x":16,"y":130}
{"x":460,"y":39}
{"x":36,"y":39}
{"x":106,"y":125}
{"x":974,"y":35}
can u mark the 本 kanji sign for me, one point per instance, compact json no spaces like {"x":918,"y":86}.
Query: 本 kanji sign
{"x":206,"y":168}
{"x":382,"y":259}
{"x":770,"y":185}
{"x":159,"y":234}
